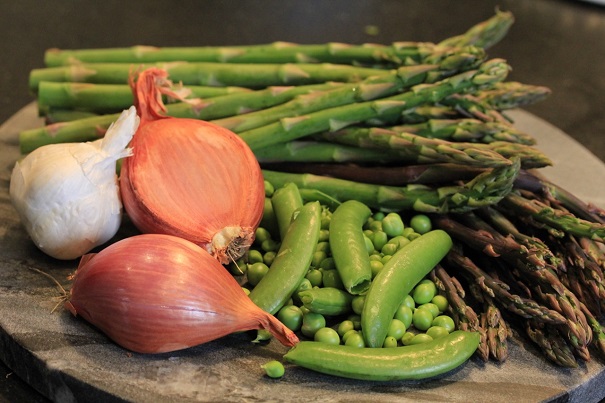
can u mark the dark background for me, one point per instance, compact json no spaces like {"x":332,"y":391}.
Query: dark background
{"x":559,"y":44}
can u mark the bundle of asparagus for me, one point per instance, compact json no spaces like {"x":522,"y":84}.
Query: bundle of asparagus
{"x":407,"y":126}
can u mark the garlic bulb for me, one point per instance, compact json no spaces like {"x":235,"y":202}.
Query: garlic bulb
{"x":67,"y":195}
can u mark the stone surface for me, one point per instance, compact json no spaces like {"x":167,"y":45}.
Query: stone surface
{"x":66,"y":359}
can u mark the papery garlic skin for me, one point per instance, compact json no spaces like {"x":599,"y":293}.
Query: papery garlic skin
{"x":67,"y":195}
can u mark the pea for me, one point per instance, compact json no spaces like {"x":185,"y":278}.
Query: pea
{"x":327,"y":264}
{"x":409,"y":302}
{"x":385,"y":259}
{"x":246,"y":290}
{"x":378,"y":216}
{"x":376,"y":257}
{"x":441,"y":302}
{"x":269,"y":189}
{"x":396,"y":329}
{"x":324,"y":235}
{"x":331,"y":278}
{"x":422,"y":319}
{"x":344,"y":327}
{"x":311,"y":323}
{"x":254,"y":256}
{"x":420,"y":338}
{"x":392,"y":224}
{"x":375,"y":225}
{"x":269,"y":245}
{"x":356,"y":319}
{"x":379,"y":239}
{"x":238,"y":268}
{"x":404,"y":314}
{"x":291,"y":316}
{"x":262,"y":335}
{"x":421,"y":223}
{"x":389,"y":249}
{"x":368,"y":244}
{"x":407,"y":338}
{"x":323,"y":247}
{"x":390,"y":342}
{"x":434,"y":309}
{"x":348,"y":334}
{"x":274,"y":369}
{"x":414,"y":235}
{"x":327,"y":335}
{"x":315,"y":277}
{"x":400,"y":241}
{"x":318,"y":257}
{"x":445,"y":322}
{"x":261,"y":235}
{"x":269,"y":257}
{"x":437,"y":331}
{"x":424,"y":292}
{"x":357,"y":304}
{"x":376,"y":266}
{"x":256,"y":272}
{"x":355,"y":340}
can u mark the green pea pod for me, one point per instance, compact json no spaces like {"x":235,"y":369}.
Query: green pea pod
{"x":397,"y":278}
{"x":327,"y":301}
{"x":291,"y":262}
{"x":348,"y":246}
{"x":285,"y":201}
{"x":412,"y":362}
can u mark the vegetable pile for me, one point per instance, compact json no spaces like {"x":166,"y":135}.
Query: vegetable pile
{"x":376,"y":199}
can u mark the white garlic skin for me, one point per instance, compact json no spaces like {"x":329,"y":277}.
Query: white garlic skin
{"x":67,"y":195}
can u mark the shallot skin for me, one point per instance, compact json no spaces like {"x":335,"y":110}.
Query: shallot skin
{"x":156,"y":293}
{"x":190,"y":178}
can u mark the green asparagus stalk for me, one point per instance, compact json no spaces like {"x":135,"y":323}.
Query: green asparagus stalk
{"x":484,"y":34}
{"x":468,"y":130}
{"x":556,"y":218}
{"x":371,"y":88}
{"x":426,"y":174}
{"x":94,"y":127}
{"x":107,"y":98}
{"x":331,"y":119}
{"x":431,"y":150}
{"x":471,"y":105}
{"x":513,"y":94}
{"x":208,"y":74}
{"x":485,"y":189}
{"x":66,"y":115}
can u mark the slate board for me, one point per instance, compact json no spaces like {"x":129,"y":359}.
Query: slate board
{"x":67,"y":360}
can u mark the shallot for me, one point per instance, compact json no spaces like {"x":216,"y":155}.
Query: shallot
{"x":190,"y":178}
{"x":155,"y":293}
{"x":67,"y":195}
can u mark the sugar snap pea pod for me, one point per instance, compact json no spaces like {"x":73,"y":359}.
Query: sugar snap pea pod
{"x":396,"y":279}
{"x":285,"y":200}
{"x":412,"y":362}
{"x":348,"y":245}
{"x":328,"y":301}
{"x":291,"y":262}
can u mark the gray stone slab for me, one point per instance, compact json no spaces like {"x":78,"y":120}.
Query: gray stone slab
{"x":68,"y":360}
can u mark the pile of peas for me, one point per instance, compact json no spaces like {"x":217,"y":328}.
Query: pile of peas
{"x":333,"y":315}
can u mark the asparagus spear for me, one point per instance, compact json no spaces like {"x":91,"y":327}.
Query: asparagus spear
{"x":485,"y":189}
{"x":431,"y":150}
{"x":513,"y":94}
{"x":484,"y":34}
{"x":556,"y":218}
{"x":371,"y":88}
{"x":466,"y":129}
{"x":552,"y":344}
{"x":426,"y":174}
{"x":208,"y":74}
{"x":332,"y":119}
{"x":94,"y":127}
{"x":106,"y":98}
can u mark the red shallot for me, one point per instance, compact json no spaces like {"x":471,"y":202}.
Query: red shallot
{"x":190,"y":178}
{"x":155,"y":293}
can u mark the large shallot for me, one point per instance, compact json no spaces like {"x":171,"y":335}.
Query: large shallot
{"x":155,"y":293}
{"x":190,"y":178}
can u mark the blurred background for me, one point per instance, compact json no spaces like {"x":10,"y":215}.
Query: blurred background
{"x":556,"y":43}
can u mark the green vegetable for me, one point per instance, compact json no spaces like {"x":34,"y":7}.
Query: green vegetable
{"x":285,"y":201}
{"x":348,"y":245}
{"x":312,"y":322}
{"x":291,"y":262}
{"x":326,"y":300}
{"x":385,"y":364}
{"x":396,"y":279}
{"x":291,"y":316}
{"x":327,"y":335}
{"x":274,"y":369}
